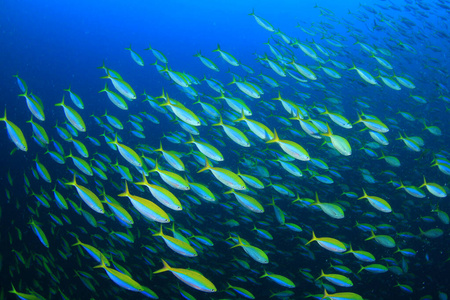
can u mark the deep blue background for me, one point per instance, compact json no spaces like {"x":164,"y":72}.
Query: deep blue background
{"x":56,"y":44}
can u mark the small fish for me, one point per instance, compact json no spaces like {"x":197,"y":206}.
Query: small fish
{"x":384,"y":240}
{"x":225,"y":176}
{"x":207,"y":62}
{"x":337,"y":279}
{"x":121,"y":279}
{"x":254,"y":252}
{"x":126,"y":152}
{"x":136,"y":57}
{"x":88,"y":197}
{"x":73,"y":116}
{"x":190,"y":277}
{"x":263,"y":23}
{"x":15,"y":133}
{"x":177,"y":245}
{"x":146,"y":207}
{"x":330,"y":244}
{"x":279,"y":279}
{"x":227,"y":57}
{"x":121,"y":86}
{"x":338,"y":142}
{"x":291,"y":148}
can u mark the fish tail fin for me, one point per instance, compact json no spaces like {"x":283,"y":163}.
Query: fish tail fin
{"x":239,"y":244}
{"x":313,"y":238}
{"x":102,"y":66}
{"x":191,"y":139}
{"x":329,"y":131}
{"x":326,"y":112}
{"x":321,"y":275}
{"x":24,"y":94}
{"x":160,"y":147}
{"x":165,"y":103}
{"x":61,"y":103}
{"x":371,"y":236}
{"x":401,"y":186}
{"x":317,"y":198}
{"x":218,"y":48}
{"x":399,"y":138}
{"x":242,"y":118}
{"x":102,"y":263}
{"x":160,"y":233}
{"x":362,"y":268}
{"x":264,"y":275}
{"x":165,"y":268}
{"x":73,"y":182}
{"x":126,"y":193}
{"x":364,"y":196}
{"x":424,"y":182}
{"x":352,"y":68}
{"x":156,"y":168}
{"x":359,"y":119}
{"x":163,"y":95}
{"x":198,"y":99}
{"x":279,"y":96}
{"x":4,"y":116}
{"x":13,"y":291}
{"x":207,"y":167}
{"x":220,"y":122}
{"x":233,"y":81}
{"x":275,"y":138}
{"x":105,"y":89}
{"x":77,"y":243}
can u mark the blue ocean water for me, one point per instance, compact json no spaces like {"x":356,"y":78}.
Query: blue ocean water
{"x":52,"y":45}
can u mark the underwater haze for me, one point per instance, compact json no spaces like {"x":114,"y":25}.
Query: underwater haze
{"x":224,"y":149}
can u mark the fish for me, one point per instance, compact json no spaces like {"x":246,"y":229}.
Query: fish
{"x":185,"y":114}
{"x":330,"y":244}
{"x":121,"y":279}
{"x":161,"y":194}
{"x":87,"y":196}
{"x":75,"y":98}
{"x":279,"y":279}
{"x":207,"y":62}
{"x":126,"y":152}
{"x":190,"y":277}
{"x":135,"y":56}
{"x":146,"y":207}
{"x":225,"y":176}
{"x":73,"y":116}
{"x":179,"y":246}
{"x":263,"y":23}
{"x":291,"y":148}
{"x":121,"y":86}
{"x":15,"y":133}
{"x":227,"y":57}
{"x":255,"y":253}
